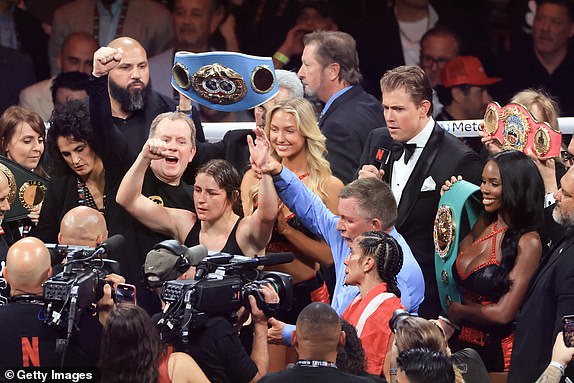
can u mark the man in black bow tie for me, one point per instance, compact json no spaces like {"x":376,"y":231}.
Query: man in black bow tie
{"x":422,"y":157}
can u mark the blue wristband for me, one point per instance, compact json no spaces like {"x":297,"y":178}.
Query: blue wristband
{"x":286,"y":334}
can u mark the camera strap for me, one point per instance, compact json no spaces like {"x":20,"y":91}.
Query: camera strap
{"x":315,"y":363}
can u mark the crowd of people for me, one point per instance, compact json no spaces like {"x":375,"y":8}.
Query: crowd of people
{"x":345,"y":170}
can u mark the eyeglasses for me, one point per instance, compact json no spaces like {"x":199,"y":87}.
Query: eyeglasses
{"x":429,"y":61}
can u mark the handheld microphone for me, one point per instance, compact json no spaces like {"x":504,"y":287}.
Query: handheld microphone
{"x":382,"y":152}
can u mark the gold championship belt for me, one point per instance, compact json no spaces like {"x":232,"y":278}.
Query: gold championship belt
{"x":461,"y":200}
{"x":27,"y":189}
{"x":515,"y":129}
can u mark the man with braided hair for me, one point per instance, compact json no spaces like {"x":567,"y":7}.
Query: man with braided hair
{"x":375,"y":260}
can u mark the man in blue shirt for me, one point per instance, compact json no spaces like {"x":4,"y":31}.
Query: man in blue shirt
{"x":364,"y":204}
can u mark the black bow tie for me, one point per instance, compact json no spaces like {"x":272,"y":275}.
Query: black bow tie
{"x":400,"y":147}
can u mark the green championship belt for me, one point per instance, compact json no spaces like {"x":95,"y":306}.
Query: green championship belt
{"x":27,"y":189}
{"x":446,"y":233}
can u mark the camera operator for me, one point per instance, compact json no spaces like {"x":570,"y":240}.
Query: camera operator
{"x":26,"y":340}
{"x":85,"y":226}
{"x":216,"y":346}
{"x":219,"y":352}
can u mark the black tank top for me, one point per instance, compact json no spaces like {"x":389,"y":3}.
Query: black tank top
{"x":231,"y":247}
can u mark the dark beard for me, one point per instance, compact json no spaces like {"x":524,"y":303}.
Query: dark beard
{"x":131,"y":101}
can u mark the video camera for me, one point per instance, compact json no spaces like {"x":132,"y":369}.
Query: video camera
{"x":222,"y":284}
{"x":80,"y":284}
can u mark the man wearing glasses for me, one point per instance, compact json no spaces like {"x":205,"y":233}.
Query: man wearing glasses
{"x":439,"y":45}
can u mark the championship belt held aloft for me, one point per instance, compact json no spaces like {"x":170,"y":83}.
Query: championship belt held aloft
{"x":515,"y":129}
{"x":224,"y":81}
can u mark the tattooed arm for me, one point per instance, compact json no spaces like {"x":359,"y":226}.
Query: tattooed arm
{"x":561,"y":356}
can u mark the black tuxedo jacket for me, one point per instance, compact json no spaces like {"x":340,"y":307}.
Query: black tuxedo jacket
{"x":443,"y":156}
{"x":346,"y":125}
{"x":378,"y":32}
{"x":550,"y":296}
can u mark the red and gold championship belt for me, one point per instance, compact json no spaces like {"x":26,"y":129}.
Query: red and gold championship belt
{"x":515,"y":128}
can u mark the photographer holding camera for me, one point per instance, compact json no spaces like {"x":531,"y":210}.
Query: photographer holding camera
{"x":213,"y":342}
{"x":217,"y":348}
{"x":26,"y":340}
{"x":85,"y":226}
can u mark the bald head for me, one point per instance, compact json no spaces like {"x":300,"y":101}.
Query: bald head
{"x":77,"y":52}
{"x":83,"y":226}
{"x":125,"y":43}
{"x":318,"y":331}
{"x":27,"y":266}
{"x":128,"y":82}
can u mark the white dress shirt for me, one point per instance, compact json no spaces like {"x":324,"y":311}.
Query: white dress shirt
{"x":401,"y":171}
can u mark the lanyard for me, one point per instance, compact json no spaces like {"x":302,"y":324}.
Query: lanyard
{"x":315,"y":363}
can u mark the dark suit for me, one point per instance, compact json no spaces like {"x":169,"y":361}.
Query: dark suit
{"x":378,"y":32}
{"x":346,"y":125}
{"x":443,"y":156}
{"x":550,"y":296}
{"x":13,"y":81}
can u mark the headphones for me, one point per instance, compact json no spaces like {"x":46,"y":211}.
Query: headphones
{"x":173,"y":246}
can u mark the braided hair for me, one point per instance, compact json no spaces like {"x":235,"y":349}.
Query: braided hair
{"x":387,"y":254}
